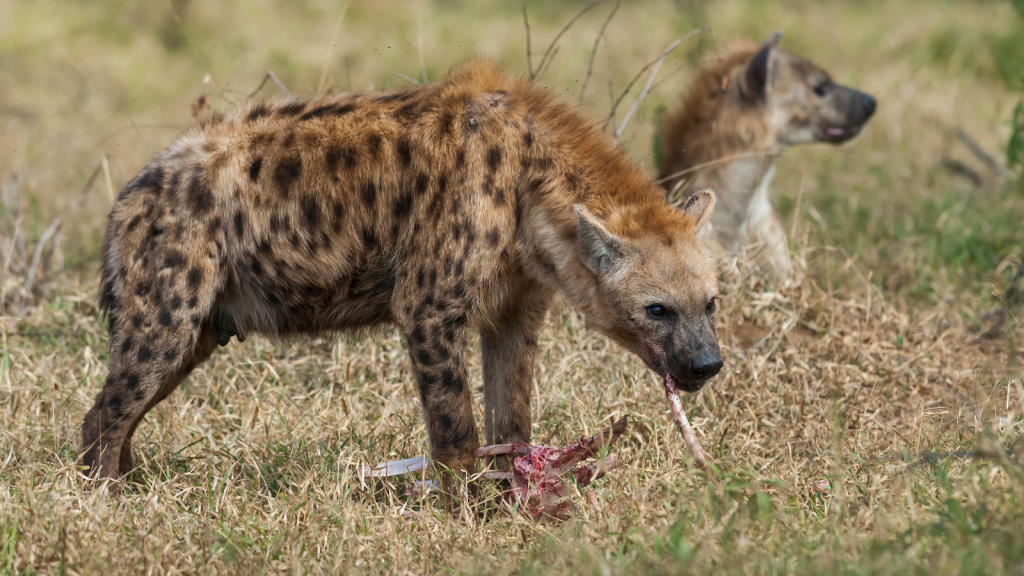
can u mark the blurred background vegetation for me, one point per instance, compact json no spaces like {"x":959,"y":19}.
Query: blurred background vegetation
{"x":84,"y":81}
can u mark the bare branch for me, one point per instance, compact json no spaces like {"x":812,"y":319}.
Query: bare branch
{"x":647,"y":67}
{"x":270,"y":76}
{"x":406,"y":77}
{"x":979,"y":152}
{"x":650,"y":80}
{"x":593,"y":53}
{"x":35,"y":260}
{"x":549,"y":54}
{"x":529,"y":56}
{"x":611,"y":89}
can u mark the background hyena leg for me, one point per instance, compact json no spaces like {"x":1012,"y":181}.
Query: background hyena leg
{"x":509,"y":347}
{"x":204,"y":348}
{"x":436,"y":337}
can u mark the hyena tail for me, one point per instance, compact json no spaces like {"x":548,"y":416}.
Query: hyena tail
{"x":160,"y":281}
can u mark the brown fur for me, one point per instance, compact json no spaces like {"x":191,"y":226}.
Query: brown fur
{"x":734,"y":123}
{"x":463,"y":204}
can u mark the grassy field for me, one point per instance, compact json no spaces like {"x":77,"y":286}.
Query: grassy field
{"x":869,"y":421}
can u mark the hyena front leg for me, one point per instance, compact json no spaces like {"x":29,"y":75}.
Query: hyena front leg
{"x":436,"y":339}
{"x":509,"y":347}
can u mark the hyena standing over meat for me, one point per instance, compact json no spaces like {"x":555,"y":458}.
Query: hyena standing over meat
{"x":464,"y":204}
{"x":741,"y":113}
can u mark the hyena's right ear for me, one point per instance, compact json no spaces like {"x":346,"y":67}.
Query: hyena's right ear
{"x":699,"y":205}
{"x":758,"y":68}
{"x":599,"y":249}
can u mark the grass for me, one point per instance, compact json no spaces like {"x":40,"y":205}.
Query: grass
{"x":870,"y":419}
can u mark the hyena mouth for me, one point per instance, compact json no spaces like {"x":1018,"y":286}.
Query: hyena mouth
{"x":836,"y":134}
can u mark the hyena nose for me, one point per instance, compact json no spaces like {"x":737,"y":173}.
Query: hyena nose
{"x":706,"y":365}
{"x":869,"y":103}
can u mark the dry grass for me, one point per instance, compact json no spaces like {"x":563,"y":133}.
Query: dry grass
{"x":856,"y":429}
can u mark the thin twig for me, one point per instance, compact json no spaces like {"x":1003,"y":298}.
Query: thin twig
{"x":650,"y":80}
{"x":406,"y":77}
{"x":270,"y":76}
{"x":978,"y":152}
{"x":958,"y":167}
{"x":711,"y":163}
{"x":35,"y":260}
{"x":529,"y":56}
{"x":334,"y":39}
{"x":611,"y":88}
{"x":593,"y":53}
{"x":139,"y":132}
{"x":647,"y":67}
{"x":106,"y":176}
{"x":549,"y":54}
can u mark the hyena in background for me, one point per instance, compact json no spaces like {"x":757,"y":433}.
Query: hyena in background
{"x":464,"y":204}
{"x":741,"y":113}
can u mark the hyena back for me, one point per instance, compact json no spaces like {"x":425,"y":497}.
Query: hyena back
{"x":464,"y":204}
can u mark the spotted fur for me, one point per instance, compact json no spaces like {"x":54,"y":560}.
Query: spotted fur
{"x":464,"y":204}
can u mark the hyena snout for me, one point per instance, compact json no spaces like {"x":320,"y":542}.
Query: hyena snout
{"x":693,"y":370}
{"x":858,"y":109}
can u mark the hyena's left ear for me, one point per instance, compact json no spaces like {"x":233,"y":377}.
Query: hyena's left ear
{"x":699,"y":205}
{"x":758,"y":68}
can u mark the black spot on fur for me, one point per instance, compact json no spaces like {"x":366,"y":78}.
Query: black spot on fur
{"x":318,"y":112}
{"x":144,"y":353}
{"x":287,"y":172}
{"x":403,"y":206}
{"x":337,"y":216}
{"x":195,"y":278}
{"x":192,"y":302}
{"x":404,"y":152}
{"x":254,"y":168}
{"x":258,"y":111}
{"x":133,"y":223}
{"x":373,"y":144}
{"x":239,"y":223}
{"x":494,"y":158}
{"x":263,"y":246}
{"x":451,"y":383}
{"x":136,"y":320}
{"x":164,"y":317}
{"x":369,"y":238}
{"x":311,"y":213}
{"x":173,"y":260}
{"x":370,"y":194}
{"x":171,"y":354}
{"x":131,"y":382}
{"x":175,"y":303}
{"x":528,"y":138}
{"x":344,"y":109}
{"x":422,"y":181}
{"x":292,"y":109}
{"x":332,"y":157}
{"x":199,"y":197}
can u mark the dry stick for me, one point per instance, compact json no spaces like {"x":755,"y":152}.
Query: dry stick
{"x":6,"y":270}
{"x":593,"y":53}
{"x":406,"y":77}
{"x":611,"y":89}
{"x":978,"y":152}
{"x":541,"y":71}
{"x":35,"y":260}
{"x":334,"y":38}
{"x":549,"y":54}
{"x":796,"y":212}
{"x":650,"y":80}
{"x":106,"y":176}
{"x":270,"y":76}
{"x":139,"y":132}
{"x":88,"y":184}
{"x":710,"y":163}
{"x":529,"y":56}
{"x":629,"y":86}
{"x":419,"y":42}
{"x":14,"y":209}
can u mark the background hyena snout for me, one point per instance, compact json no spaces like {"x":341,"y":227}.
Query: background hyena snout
{"x":862,"y":107}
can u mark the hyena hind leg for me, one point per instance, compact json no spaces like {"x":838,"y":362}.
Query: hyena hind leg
{"x":155,"y":342}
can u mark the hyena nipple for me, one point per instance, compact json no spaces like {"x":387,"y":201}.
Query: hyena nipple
{"x":226,"y":328}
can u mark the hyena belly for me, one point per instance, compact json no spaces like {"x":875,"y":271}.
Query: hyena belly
{"x":321,"y":216}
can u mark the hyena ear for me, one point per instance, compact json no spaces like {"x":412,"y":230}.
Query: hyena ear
{"x":758,"y":68}
{"x":599,"y":249}
{"x":699,"y":205}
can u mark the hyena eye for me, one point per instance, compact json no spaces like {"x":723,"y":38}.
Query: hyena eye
{"x":657,"y":311}
{"x":823,"y":88}
{"x":712,"y":306}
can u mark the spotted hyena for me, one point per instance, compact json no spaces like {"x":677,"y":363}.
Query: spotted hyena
{"x":740,"y":114}
{"x":464,"y":204}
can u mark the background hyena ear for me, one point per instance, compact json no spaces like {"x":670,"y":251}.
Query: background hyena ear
{"x":758,"y":68}
{"x":699,"y":205}
{"x":599,"y":249}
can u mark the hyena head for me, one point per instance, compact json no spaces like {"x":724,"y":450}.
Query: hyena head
{"x":804,"y":104}
{"x":657,"y":292}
